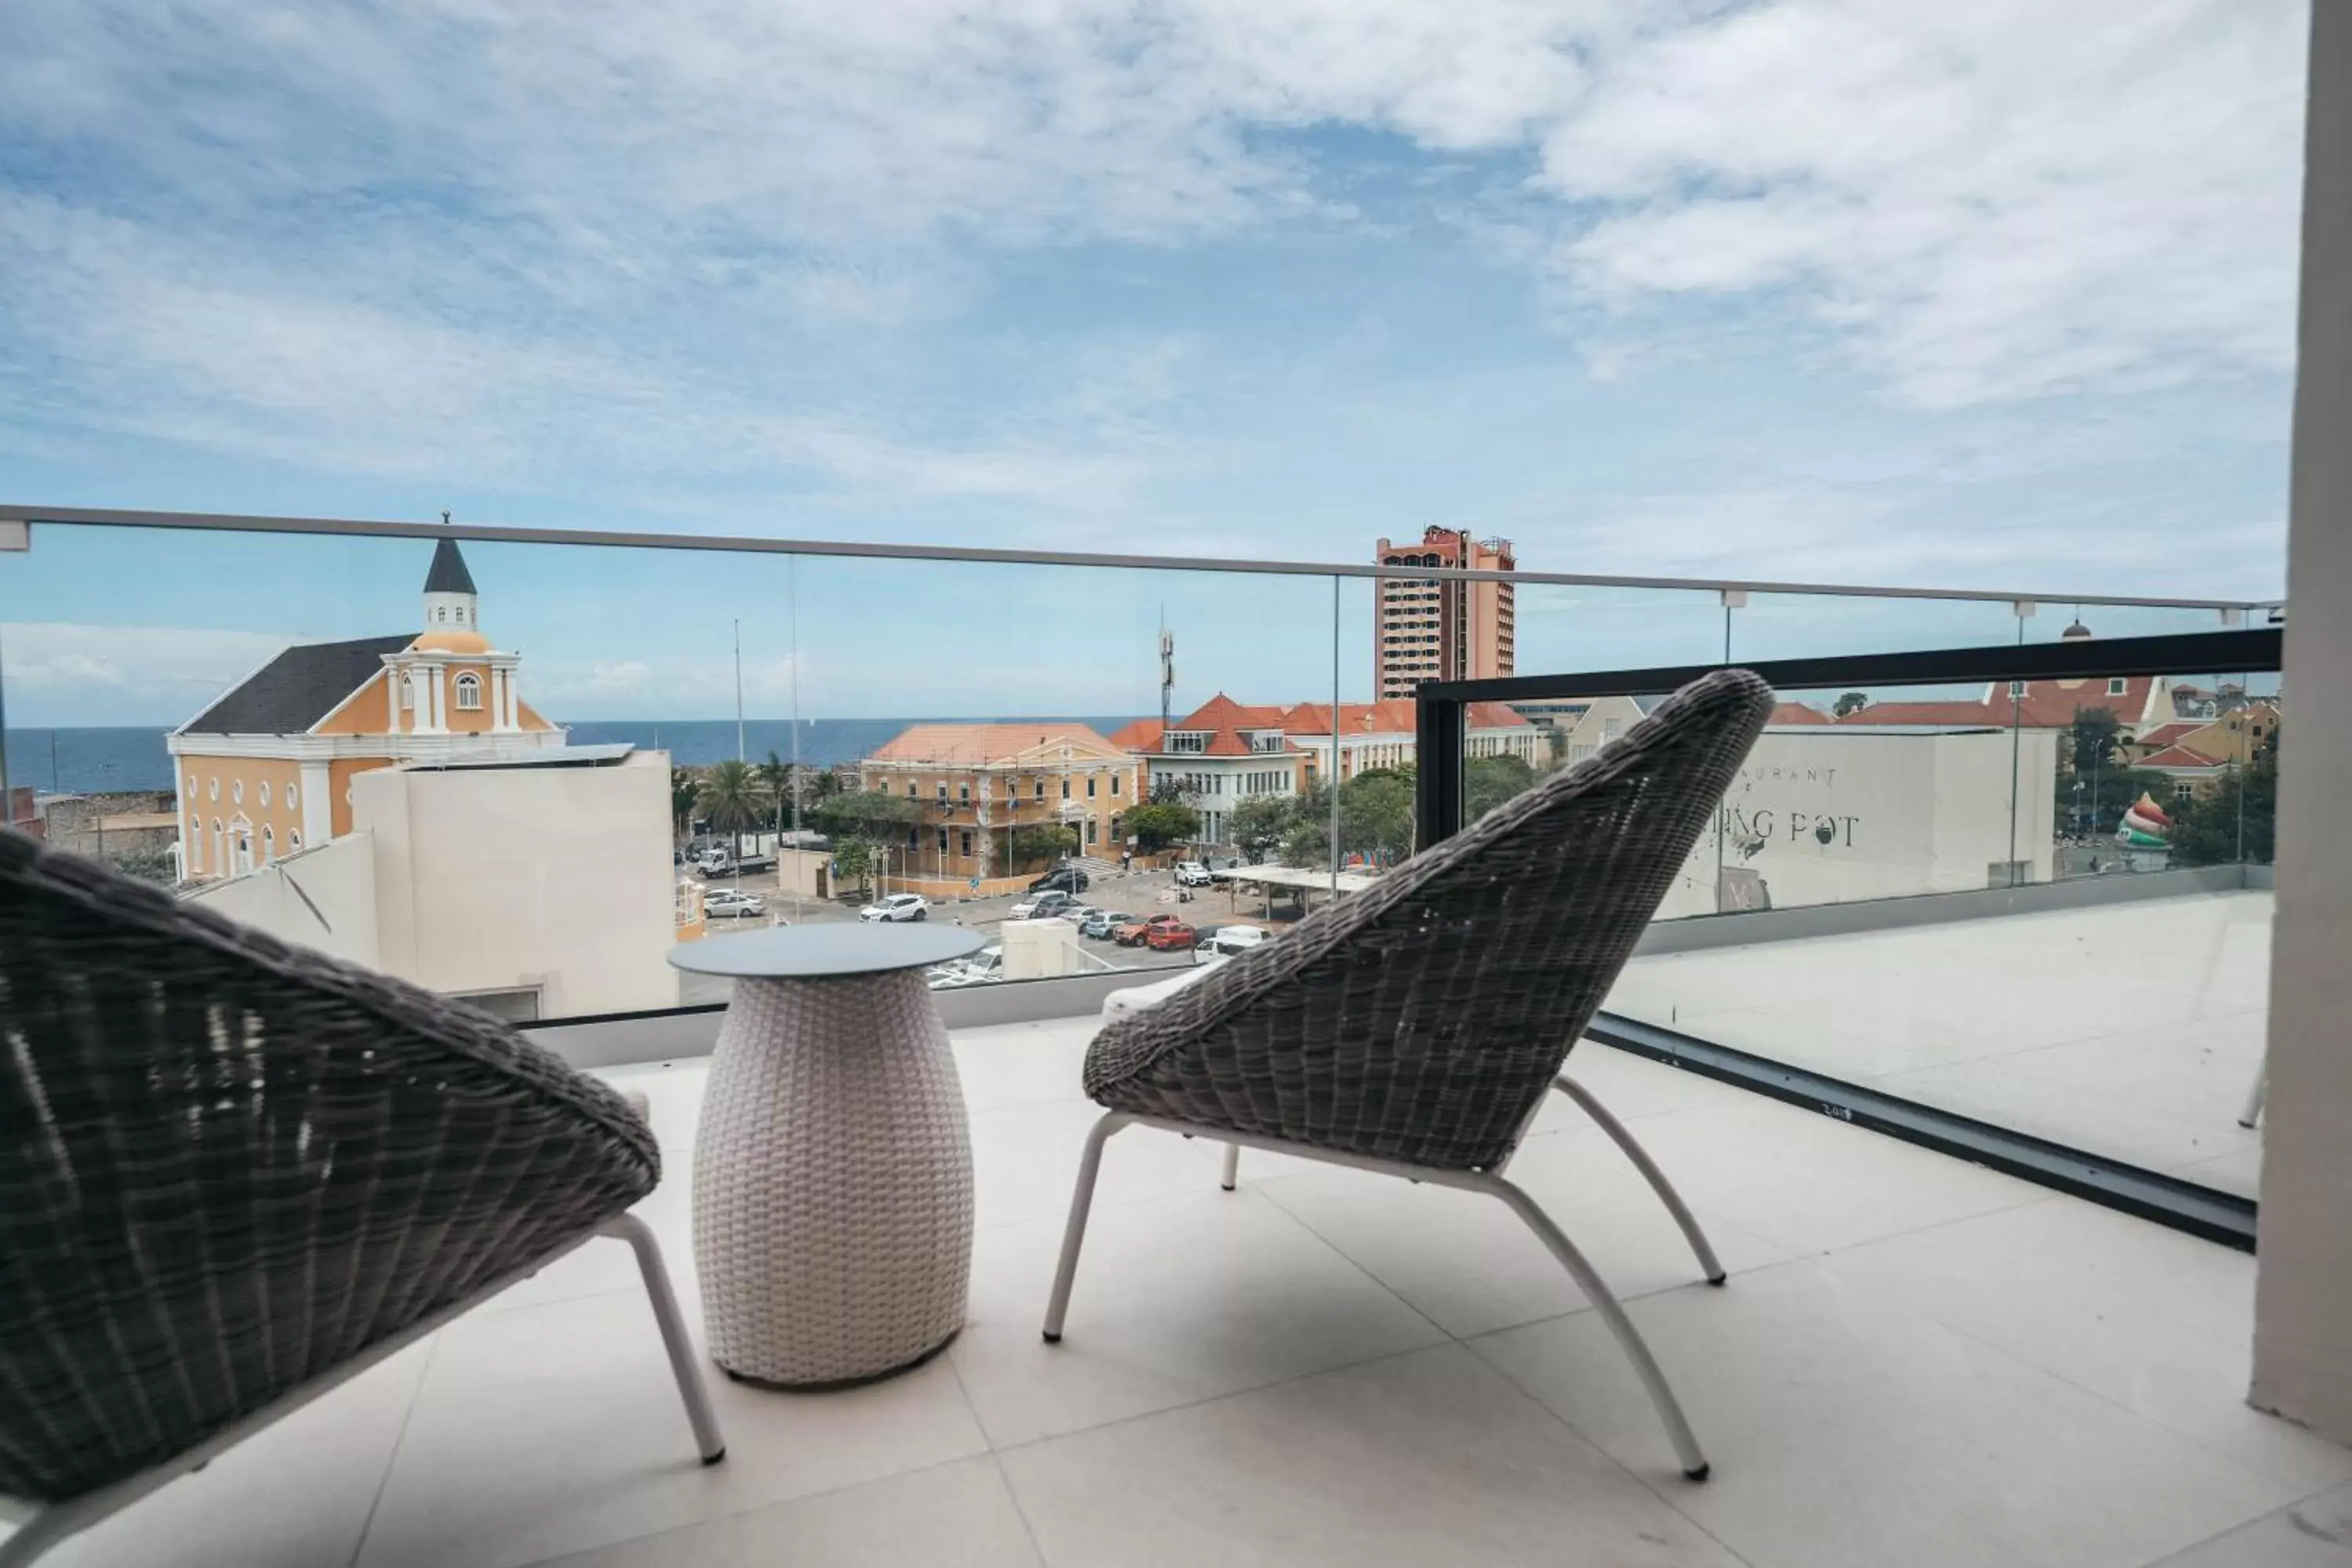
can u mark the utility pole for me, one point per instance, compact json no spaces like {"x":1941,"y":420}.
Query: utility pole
{"x":738,"y":690}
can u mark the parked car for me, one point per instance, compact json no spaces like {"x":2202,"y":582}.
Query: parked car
{"x":1168,"y":934}
{"x":1193,"y":874}
{"x":1062,"y":878}
{"x":982,"y":968}
{"x":1134,"y":933}
{"x":1076,"y":914}
{"x":898,"y":907}
{"x":1234,"y":941}
{"x":729,"y":902}
{"x":1103,"y":923}
{"x":1042,"y":906}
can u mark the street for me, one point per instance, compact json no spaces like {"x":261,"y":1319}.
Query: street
{"x":1138,"y":893}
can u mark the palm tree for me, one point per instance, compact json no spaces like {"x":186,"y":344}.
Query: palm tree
{"x":775,"y":777}
{"x":731,"y":797}
{"x":685,"y":790}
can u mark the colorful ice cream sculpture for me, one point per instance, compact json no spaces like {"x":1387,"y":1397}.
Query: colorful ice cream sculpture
{"x":2144,"y":825}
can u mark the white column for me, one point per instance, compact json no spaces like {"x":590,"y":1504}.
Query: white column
{"x":317,"y":803}
{"x":2303,"y":1329}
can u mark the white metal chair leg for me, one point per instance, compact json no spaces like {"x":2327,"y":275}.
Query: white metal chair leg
{"x":2253,"y":1115}
{"x":1629,"y":1339}
{"x":1232,"y":1178}
{"x":1608,"y":1123}
{"x":707,"y":1438}
{"x":46,"y":1528}
{"x":1074,"y":1235}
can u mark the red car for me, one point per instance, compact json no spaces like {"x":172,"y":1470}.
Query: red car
{"x":1168,"y":933}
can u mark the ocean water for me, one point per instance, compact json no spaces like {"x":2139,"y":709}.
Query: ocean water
{"x":94,"y":761}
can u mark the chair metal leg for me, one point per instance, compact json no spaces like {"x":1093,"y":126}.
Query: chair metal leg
{"x":45,"y":1528}
{"x":707,"y":1438}
{"x":1608,"y":1123}
{"x":1074,"y":1235}
{"x":1232,"y":1178}
{"x":2251,"y":1116}
{"x":1629,"y":1339}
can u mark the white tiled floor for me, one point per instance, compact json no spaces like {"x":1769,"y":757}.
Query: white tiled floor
{"x":2132,"y":1030}
{"x":1916,"y":1362}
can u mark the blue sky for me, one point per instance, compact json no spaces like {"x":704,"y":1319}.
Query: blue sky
{"x":1962,"y":296}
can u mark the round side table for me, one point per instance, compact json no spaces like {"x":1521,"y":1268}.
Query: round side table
{"x":832,"y":1164}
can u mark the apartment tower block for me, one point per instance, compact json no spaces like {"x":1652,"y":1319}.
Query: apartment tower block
{"x":1443,"y":629}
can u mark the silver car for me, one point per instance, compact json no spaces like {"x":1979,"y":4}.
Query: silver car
{"x":898,"y":907}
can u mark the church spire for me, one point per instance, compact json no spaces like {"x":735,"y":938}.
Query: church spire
{"x":450,"y":596}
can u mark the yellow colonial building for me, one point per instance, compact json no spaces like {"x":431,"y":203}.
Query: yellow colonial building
{"x":265,"y":771}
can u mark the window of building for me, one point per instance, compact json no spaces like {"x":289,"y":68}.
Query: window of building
{"x":294,"y":839}
{"x":943,"y":840}
{"x":1090,"y":786}
{"x":265,"y":792}
{"x":268,"y":842}
{"x":1092,"y":825}
{"x":1041,"y":788}
{"x":911,"y":789}
{"x":407,"y":694}
{"x":943,"y":790}
{"x":216,"y":789}
{"x":469,"y":691}
{"x":293,"y":797}
{"x":1114,"y":783}
{"x":2017,"y":688}
{"x":911,"y":831}
{"x":237,"y":791}
{"x":964,"y":792}
{"x":1065,"y":786}
{"x":967,"y":842}
{"x":2183,"y":789}
{"x":1612,"y":728}
{"x":2117,"y":685}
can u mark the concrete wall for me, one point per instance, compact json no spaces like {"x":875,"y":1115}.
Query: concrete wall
{"x":1821,"y":816}
{"x":323,"y":898}
{"x":503,"y":879}
{"x":2303,"y":1316}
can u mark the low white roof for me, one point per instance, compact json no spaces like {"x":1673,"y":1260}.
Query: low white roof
{"x":1294,"y":877}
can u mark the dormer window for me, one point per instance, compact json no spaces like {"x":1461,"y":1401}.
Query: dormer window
{"x":2118,"y":685}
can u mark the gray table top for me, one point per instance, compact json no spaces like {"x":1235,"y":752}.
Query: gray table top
{"x":809,"y":953}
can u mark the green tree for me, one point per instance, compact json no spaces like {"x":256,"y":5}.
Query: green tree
{"x":852,"y":862}
{"x":685,"y":789}
{"x":1852,"y":702}
{"x":775,"y":779}
{"x":731,"y":797}
{"x":1162,"y":823}
{"x":1555,"y":746}
{"x":1488,"y":782}
{"x":2091,"y":739}
{"x":873,"y":814}
{"x":2238,"y":821}
{"x":1376,"y":813}
{"x":1042,"y":841}
{"x":1259,"y":823}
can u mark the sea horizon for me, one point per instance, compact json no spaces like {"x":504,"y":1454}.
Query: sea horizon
{"x":101,"y":759}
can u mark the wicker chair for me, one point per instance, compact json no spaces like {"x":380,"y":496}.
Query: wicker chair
{"x":234,"y":1173}
{"x":1415,"y":1028}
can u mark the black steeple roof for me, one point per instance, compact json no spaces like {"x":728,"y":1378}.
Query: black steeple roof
{"x":449,"y":574}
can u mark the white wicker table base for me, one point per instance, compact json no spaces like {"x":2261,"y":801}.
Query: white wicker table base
{"x":831,"y":1182}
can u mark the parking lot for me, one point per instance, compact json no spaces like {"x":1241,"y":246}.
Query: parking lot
{"x":1138,"y":893}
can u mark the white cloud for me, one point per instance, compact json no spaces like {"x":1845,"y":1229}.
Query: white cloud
{"x":1982,"y":200}
{"x":709,"y":241}
{"x":66,"y":673}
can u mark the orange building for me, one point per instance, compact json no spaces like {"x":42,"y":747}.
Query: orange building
{"x":978,"y":785}
{"x":1444,"y":628}
{"x":267,"y":769}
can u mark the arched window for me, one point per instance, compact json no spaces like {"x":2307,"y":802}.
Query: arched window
{"x":408,"y":693}
{"x":237,"y":791}
{"x":469,"y":691}
{"x":293,"y":797}
{"x":265,"y":792}
{"x":294,"y":839}
{"x":442,"y":613}
{"x":216,"y":789}
{"x":269,"y":843}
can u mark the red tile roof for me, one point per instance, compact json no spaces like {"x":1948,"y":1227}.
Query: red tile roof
{"x":2177,"y":757}
{"x":969,"y":745}
{"x":1797,"y":713}
{"x":1953,"y":715}
{"x":2165,"y":734}
{"x":1141,"y":735}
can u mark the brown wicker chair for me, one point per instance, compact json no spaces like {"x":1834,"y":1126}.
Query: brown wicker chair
{"x":234,"y":1173}
{"x":1415,"y":1028}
